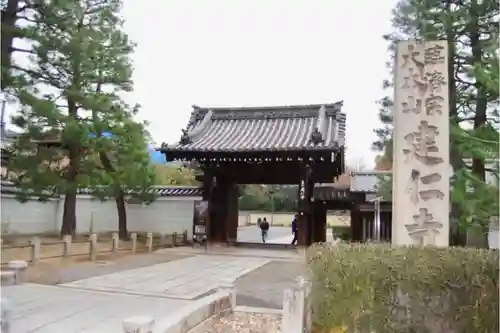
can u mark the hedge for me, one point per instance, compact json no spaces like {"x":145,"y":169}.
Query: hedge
{"x":379,"y":288}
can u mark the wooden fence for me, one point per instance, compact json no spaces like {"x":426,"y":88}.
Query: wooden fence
{"x":67,"y":247}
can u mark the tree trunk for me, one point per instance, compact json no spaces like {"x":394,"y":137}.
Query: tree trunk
{"x":9,"y":17}
{"x":480,"y":118}
{"x":457,"y":236}
{"x":68,"y":226}
{"x":119,"y":198}
{"x":122,"y":214}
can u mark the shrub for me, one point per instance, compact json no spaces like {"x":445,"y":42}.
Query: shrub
{"x":378,"y":288}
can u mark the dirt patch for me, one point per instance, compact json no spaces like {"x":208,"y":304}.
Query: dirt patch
{"x":55,"y":271}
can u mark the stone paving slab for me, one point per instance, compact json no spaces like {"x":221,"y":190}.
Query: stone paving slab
{"x":185,"y":279}
{"x":51,"y":309}
{"x":264,"y":287}
{"x":273,"y":254}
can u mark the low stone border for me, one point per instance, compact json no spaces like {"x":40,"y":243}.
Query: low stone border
{"x":222,"y":301}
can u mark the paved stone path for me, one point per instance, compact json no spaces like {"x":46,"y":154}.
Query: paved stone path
{"x":50,"y":309}
{"x":264,"y":287}
{"x":47,"y":272}
{"x":186,"y":279}
{"x":100,"y":303}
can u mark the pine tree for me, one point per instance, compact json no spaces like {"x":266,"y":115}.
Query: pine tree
{"x":471,"y":28}
{"x":71,"y":93}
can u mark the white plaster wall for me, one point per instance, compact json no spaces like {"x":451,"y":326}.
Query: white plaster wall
{"x":165,"y":215}
{"x":30,"y":217}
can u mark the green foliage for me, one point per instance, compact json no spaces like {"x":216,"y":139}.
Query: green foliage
{"x":378,"y":288}
{"x":70,"y":95}
{"x":384,"y":186}
{"x":268,"y":198}
{"x":472,"y":30}
{"x":174,"y":175}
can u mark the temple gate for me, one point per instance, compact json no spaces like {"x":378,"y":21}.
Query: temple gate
{"x":300,"y":145}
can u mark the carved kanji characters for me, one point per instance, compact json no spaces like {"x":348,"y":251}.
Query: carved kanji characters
{"x":434,"y":105}
{"x":413,"y":105}
{"x":414,"y":80}
{"x":433,"y":55}
{"x":417,"y":193}
{"x":425,"y":228}
{"x":411,"y":58}
{"x":435,"y":81}
{"x":422,"y":143}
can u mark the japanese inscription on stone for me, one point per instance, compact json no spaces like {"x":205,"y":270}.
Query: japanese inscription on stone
{"x":421,"y":144}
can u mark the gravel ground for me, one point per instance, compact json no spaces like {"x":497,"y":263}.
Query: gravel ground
{"x":241,"y":322}
{"x":264,"y":286}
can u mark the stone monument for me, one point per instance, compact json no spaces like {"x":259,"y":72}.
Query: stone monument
{"x":421,"y":179}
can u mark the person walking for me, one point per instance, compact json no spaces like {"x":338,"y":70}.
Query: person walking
{"x":264,"y":228}
{"x":294,"y":230}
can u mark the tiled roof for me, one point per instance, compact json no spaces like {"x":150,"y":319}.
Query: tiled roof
{"x":264,"y":128}
{"x":328,"y":192}
{"x":162,"y":191}
{"x":366,"y":181}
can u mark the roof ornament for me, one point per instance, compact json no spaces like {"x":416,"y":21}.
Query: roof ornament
{"x":185,"y":139}
{"x":320,"y":130}
{"x":316,"y":137}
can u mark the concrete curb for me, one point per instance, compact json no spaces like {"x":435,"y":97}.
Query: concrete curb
{"x":252,"y":309}
{"x":196,"y":313}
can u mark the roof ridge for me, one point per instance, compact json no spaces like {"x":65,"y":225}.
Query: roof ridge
{"x":312,"y":107}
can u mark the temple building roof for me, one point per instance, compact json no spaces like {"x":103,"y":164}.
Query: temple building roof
{"x":367,"y":181}
{"x":276,"y":128}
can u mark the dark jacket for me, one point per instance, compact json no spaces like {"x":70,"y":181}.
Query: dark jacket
{"x":264,"y":225}
{"x":294,"y":225}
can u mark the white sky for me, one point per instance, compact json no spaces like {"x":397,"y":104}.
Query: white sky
{"x":259,"y":52}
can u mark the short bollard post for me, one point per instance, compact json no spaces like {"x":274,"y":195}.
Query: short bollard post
{"x":149,"y":241}
{"x":138,"y":325}
{"x":229,"y":286}
{"x":35,"y":249}
{"x":19,"y":267}
{"x":163,"y":240}
{"x":294,"y":307}
{"x":93,"y":247}
{"x":115,"y":242}
{"x":133,"y":238}
{"x":5,"y":318}
{"x":67,"y":245}
{"x":8,"y":278}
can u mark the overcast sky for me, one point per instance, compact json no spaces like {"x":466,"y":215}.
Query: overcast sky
{"x":259,"y":52}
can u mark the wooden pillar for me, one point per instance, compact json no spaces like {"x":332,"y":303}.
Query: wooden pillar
{"x":356,"y":228}
{"x":306,"y":188}
{"x":220,"y":209}
{"x":319,"y":222}
{"x":231,"y":224}
{"x":207,"y":195}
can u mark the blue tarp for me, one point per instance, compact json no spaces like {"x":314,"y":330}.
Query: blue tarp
{"x":156,"y":156}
